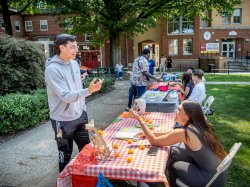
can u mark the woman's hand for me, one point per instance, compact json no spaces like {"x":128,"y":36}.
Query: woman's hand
{"x":135,"y":115}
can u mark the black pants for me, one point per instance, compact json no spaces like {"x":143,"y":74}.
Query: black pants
{"x":71,"y":130}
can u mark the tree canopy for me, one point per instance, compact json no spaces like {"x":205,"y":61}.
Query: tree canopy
{"x":111,"y":19}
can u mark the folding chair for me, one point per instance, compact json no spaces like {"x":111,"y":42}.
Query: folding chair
{"x":224,"y":165}
{"x":103,"y":182}
{"x":208,"y":103}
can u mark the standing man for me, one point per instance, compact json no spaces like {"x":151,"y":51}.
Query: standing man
{"x":163,"y":64}
{"x":66,"y":98}
{"x":139,"y":76}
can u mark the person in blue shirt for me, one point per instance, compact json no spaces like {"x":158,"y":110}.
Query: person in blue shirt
{"x":151,"y":64}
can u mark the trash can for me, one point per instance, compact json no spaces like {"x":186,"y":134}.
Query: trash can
{"x":210,"y":68}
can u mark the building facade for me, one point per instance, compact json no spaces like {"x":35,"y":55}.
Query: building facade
{"x":184,"y":39}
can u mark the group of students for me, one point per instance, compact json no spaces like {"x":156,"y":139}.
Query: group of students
{"x":195,"y":149}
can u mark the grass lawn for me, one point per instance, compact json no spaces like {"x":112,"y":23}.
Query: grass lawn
{"x":229,"y":78}
{"x":232,"y":124}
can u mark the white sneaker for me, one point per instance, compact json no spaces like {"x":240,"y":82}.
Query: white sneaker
{"x":117,"y":79}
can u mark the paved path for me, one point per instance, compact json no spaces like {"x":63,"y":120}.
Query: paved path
{"x":30,"y":159}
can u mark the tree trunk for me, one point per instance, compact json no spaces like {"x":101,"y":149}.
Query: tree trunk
{"x":6,"y":17}
{"x":115,"y":50}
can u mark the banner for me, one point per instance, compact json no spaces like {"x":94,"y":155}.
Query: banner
{"x":210,"y":48}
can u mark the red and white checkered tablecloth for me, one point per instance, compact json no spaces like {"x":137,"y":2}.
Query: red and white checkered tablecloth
{"x":142,"y":168}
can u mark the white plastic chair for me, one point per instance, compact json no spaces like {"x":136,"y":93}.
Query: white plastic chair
{"x":224,"y":165}
{"x":208,"y":103}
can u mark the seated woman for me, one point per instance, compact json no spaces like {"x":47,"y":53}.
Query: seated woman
{"x":187,"y":85}
{"x":198,"y":153}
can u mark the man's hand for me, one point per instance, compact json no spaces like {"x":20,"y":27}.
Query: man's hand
{"x":93,"y":87}
{"x":157,"y":79}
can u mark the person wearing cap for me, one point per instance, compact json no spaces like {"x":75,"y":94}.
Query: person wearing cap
{"x":139,"y":77}
{"x":66,"y":98}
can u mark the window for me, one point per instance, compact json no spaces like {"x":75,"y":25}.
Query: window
{"x":226,"y":19}
{"x":43,"y":25}
{"x":173,"y":47}
{"x":180,"y":25}
{"x":237,"y":16}
{"x":2,"y":23}
{"x":17,"y":26}
{"x":88,"y":37}
{"x":187,"y":46}
{"x":28,"y":26}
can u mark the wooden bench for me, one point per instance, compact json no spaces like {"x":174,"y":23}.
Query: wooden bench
{"x":228,"y":70}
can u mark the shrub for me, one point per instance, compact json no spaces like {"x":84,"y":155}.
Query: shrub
{"x":21,"y":65}
{"x":19,"y":111}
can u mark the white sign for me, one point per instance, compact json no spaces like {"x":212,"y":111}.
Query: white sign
{"x":212,"y":47}
{"x":232,"y":33}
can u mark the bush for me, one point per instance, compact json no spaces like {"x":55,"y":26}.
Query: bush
{"x":21,"y":65}
{"x":20,"y":111}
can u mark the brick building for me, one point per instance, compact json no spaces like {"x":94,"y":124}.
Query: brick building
{"x":185,"y":40}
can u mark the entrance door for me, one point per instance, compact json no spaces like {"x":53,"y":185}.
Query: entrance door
{"x":228,"y":49}
{"x":90,"y":58}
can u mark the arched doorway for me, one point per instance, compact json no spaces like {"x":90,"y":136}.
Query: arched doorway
{"x":154,"y":48}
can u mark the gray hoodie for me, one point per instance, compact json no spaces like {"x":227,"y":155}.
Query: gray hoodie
{"x":66,"y":95}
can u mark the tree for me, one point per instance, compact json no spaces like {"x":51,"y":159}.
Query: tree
{"x":111,"y":19}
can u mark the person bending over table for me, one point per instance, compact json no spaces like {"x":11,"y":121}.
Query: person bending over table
{"x":195,"y":152}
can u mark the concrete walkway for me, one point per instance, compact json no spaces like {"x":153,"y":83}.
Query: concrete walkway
{"x":31,"y":159}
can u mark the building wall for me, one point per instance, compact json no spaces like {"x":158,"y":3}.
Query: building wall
{"x":181,"y":61}
{"x":217,"y":19}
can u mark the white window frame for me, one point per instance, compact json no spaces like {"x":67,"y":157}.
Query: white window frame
{"x":42,"y":23}
{"x":17,"y":25}
{"x":27,"y":25}
{"x":2,"y":23}
{"x":179,"y":22}
{"x":173,"y":47}
{"x":237,"y":13}
{"x":186,"y":47}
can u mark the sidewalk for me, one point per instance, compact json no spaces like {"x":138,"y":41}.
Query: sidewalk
{"x":31,"y":159}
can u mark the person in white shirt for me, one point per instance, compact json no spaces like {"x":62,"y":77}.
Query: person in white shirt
{"x":163,"y":64}
{"x":191,"y":69}
{"x":119,"y":72}
{"x":199,"y":92}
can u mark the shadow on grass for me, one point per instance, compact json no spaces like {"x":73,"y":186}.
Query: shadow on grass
{"x":231,"y":121}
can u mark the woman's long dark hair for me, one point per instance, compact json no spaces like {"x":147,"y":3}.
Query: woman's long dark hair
{"x":208,"y":136}
{"x":187,"y":78}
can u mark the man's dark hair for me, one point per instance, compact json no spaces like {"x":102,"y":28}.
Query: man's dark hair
{"x":191,"y":68}
{"x":63,"y":39}
{"x":145,"y":51}
{"x":198,"y":72}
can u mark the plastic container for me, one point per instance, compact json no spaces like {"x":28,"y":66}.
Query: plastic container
{"x":163,"y":88}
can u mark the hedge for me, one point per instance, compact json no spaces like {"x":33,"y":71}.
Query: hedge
{"x":19,"y":111}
